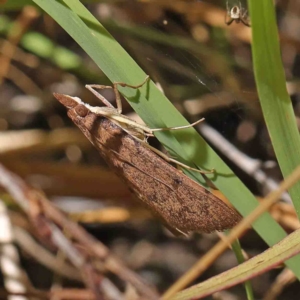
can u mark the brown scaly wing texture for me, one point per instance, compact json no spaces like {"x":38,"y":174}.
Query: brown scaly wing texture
{"x":182,"y":203}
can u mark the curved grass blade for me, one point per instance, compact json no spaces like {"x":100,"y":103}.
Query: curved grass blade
{"x":259,"y":264}
{"x":236,"y":247}
{"x":275,"y":102}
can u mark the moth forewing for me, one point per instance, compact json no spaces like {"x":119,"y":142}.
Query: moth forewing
{"x":179,"y":201}
{"x":136,"y":130}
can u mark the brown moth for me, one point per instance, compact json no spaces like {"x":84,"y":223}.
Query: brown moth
{"x":182,"y":204}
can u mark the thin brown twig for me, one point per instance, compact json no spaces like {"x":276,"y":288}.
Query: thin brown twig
{"x":45,"y":257}
{"x":14,"y":277}
{"x":20,"y":26}
{"x":27,"y":59}
{"x":50,"y":233}
{"x":51,"y":223}
{"x":34,"y":293}
{"x":285,"y":278}
{"x":61,"y":294}
{"x":73,"y":179}
{"x":99,"y":250}
{"x":20,"y":142}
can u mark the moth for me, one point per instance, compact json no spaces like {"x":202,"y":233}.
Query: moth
{"x":182,"y":204}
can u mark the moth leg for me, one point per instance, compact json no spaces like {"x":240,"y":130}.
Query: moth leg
{"x":178,"y":163}
{"x":92,"y":87}
{"x":172,"y":160}
{"x":178,"y":127}
{"x":122,"y":84}
{"x":149,"y":131}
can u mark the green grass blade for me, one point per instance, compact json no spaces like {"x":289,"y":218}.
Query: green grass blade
{"x":236,"y":247}
{"x":275,"y":101}
{"x":247,"y":270}
{"x":157,"y":111}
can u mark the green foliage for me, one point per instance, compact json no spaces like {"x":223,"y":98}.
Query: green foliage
{"x":256,"y":265}
{"x":275,"y":101}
